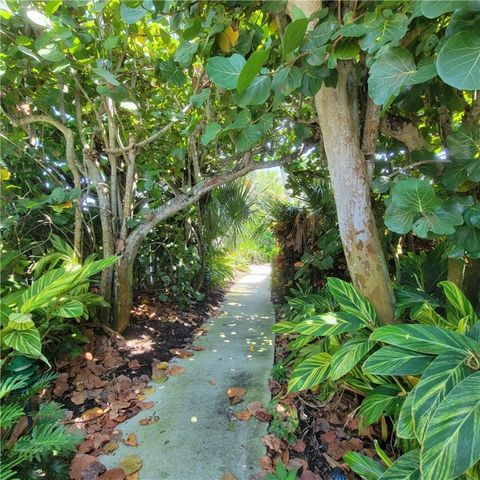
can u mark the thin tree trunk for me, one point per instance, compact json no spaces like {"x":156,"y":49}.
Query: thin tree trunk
{"x":471,"y":281}
{"x":455,"y":271}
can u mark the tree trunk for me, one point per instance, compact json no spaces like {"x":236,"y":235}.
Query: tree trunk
{"x":123,"y":291}
{"x":337,"y":111}
{"x":350,"y":184}
{"x":471,"y":281}
{"x":455,"y":271}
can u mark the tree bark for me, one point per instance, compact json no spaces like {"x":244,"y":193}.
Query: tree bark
{"x":338,"y":113}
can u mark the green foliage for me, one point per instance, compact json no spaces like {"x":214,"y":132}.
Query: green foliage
{"x":281,"y":473}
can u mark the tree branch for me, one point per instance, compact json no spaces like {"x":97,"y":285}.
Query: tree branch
{"x":370,"y":135}
{"x":403,"y":131}
{"x":182,"y":201}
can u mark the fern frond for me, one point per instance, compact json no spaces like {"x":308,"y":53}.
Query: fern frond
{"x":14,"y":382}
{"x":49,"y":412}
{"x":9,"y":415}
{"x":39,"y":384}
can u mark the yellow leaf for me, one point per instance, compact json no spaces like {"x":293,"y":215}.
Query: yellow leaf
{"x":251,"y":348}
{"x":4,"y":174}
{"x":67,"y":204}
{"x":227,"y":39}
{"x":272,"y":26}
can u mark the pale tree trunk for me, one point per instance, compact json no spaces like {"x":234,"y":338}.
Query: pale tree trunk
{"x":338,"y":116}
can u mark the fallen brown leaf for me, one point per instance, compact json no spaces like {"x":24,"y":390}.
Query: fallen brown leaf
{"x":272,"y":442}
{"x":85,"y":467}
{"x":131,"y":440}
{"x":177,"y":352}
{"x":266,"y":463}
{"x":175,"y":370}
{"x":131,"y":464}
{"x":262,"y":415}
{"x":78,"y":398}
{"x":228,"y":476}
{"x":149,"y":420}
{"x":110,"y":447}
{"x":235,"y":392}
{"x":244,"y":415}
{"x":254,"y":407}
{"x":299,"y":446}
{"x":113,"y":474}
{"x":146,"y":405}
{"x":197,"y":348}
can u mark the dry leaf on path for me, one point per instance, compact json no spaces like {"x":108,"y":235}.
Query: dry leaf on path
{"x":175,"y":370}
{"x":131,"y":464}
{"x":244,"y":415}
{"x":266,"y":463}
{"x":228,"y":476}
{"x":113,"y":474}
{"x":133,"y":476}
{"x":197,"y":348}
{"x":254,"y":407}
{"x":146,"y":405}
{"x":177,"y":352}
{"x":149,"y":420}
{"x":272,"y":442}
{"x":110,"y":447}
{"x":235,"y":392}
{"x":85,"y":466}
{"x":131,"y":440}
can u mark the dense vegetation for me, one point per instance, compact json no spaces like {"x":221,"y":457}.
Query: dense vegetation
{"x":129,"y":130}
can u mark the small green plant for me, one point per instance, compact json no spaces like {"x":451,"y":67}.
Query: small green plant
{"x":281,"y":473}
{"x":34,"y":442}
{"x":284,"y":421}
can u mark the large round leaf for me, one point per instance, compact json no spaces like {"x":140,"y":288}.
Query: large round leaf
{"x":224,"y":71}
{"x":452,"y":440}
{"x":458,"y":62}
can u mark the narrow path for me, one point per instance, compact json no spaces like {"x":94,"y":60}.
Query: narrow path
{"x":197,"y":437}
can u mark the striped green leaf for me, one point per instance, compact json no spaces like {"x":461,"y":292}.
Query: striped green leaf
{"x":24,"y":341}
{"x":300,"y":342}
{"x":283,"y":327}
{"x":351,"y":301}
{"x":397,"y":361}
{"x":405,"y":427}
{"x":425,"y":339}
{"x":348,"y":356}
{"x":439,"y":378}
{"x":376,"y":405}
{"x":327,"y":324}
{"x":20,"y":321}
{"x":452,"y":442}
{"x":407,"y":467}
{"x":310,"y":372}
{"x":460,"y":304}
{"x":474,"y":332}
{"x":69,"y":309}
{"x":364,"y":466}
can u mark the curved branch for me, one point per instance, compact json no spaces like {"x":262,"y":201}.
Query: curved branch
{"x":403,"y":131}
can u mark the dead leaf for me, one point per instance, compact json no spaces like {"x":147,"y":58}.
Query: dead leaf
{"x":213,"y":381}
{"x":175,"y":370}
{"x":159,"y":378}
{"x":262,"y":415}
{"x":235,"y":392}
{"x":309,"y":475}
{"x":228,"y":476}
{"x":244,"y":415}
{"x":272,"y":442}
{"x":133,"y":476}
{"x":146,"y":405}
{"x":149,"y":391}
{"x":78,"y":398}
{"x":85,"y":467}
{"x":177,"y":352}
{"x":113,"y":474}
{"x":91,"y":413}
{"x":149,"y":420}
{"x":266,"y":463}
{"x":110,"y":447}
{"x":131,"y":440}
{"x":197,"y":348}
{"x":254,"y":407}
{"x":131,"y":464}
{"x":299,"y":446}
{"x":134,"y":365}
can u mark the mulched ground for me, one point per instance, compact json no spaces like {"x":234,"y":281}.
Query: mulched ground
{"x":107,"y":384}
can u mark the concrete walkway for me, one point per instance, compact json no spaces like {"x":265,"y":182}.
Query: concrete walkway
{"x":197,"y":437}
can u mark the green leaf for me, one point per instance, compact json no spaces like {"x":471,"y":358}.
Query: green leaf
{"x":106,"y":75}
{"x":52,"y":53}
{"x":247,"y":137}
{"x":224,"y":71}
{"x":396,"y":361}
{"x":407,"y":467}
{"x":111,"y":42}
{"x":349,"y":355}
{"x":199,"y":99}
{"x":459,"y":302}
{"x":283,"y":327}
{"x":399,"y":220}
{"x":310,"y":372}
{"x":312,"y":80}
{"x":435,"y":8}
{"x":294,"y":35}
{"x":364,"y":466}
{"x":115,"y":93}
{"x":172,"y":73}
{"x":458,"y":62}
{"x":69,"y":309}
{"x":376,"y":405}
{"x":405,"y":427}
{"x":286,"y":80}
{"x":52,"y":6}
{"x":425,"y":339}
{"x":185,"y":52}
{"x":249,"y":71}
{"x":439,"y":378}
{"x":20,"y":321}
{"x":452,"y":442}
{"x":240,"y":120}
{"x":389,"y":73}
{"x":256,"y":93}
{"x":441,"y":222}
{"x":131,"y":15}
{"x":24,"y":341}
{"x":320,"y":35}
{"x":350,"y":301}
{"x":211,"y":132}
{"x":329,"y":324}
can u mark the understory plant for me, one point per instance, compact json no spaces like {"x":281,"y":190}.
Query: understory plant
{"x":424,"y":375}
